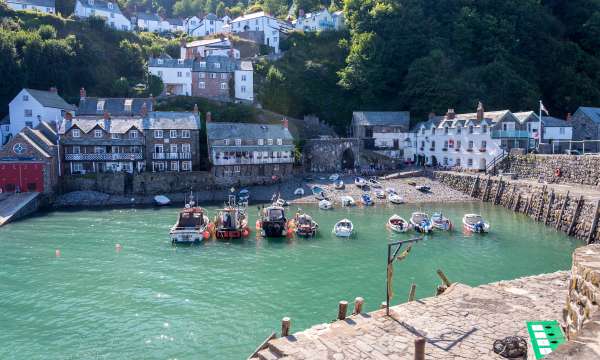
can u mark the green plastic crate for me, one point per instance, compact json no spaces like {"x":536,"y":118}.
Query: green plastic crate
{"x":545,"y":337}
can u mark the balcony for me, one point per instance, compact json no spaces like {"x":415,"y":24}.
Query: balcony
{"x":510,"y":134}
{"x":104,"y":157}
{"x":252,"y":161}
{"x":172,"y":156}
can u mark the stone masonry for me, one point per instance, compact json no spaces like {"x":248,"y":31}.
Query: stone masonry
{"x":573,"y":169}
{"x":327,"y":155}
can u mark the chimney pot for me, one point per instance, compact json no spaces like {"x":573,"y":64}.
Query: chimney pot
{"x":68,"y":116}
{"x":480,"y":111}
{"x":106,"y":115}
{"x":82,"y":93}
{"x":450,"y":114}
{"x":208,"y":117}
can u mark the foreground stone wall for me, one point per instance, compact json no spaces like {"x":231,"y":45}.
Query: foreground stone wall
{"x":574,"y":169}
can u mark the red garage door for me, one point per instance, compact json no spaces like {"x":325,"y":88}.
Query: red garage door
{"x":15,"y":176}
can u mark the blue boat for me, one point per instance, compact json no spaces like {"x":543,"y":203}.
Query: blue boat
{"x":366,"y":199}
{"x":421,"y":222}
{"x":319,"y":192}
{"x":244,"y":195}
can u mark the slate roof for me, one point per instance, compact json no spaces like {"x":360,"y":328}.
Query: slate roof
{"x":50,"y":99}
{"x":526,"y":115}
{"x":114,"y":106}
{"x":381,"y":118}
{"x":170,"y":63}
{"x":101,"y":5}
{"x":592,"y":112}
{"x":42,"y":3}
{"x":211,"y":16}
{"x":175,"y":21}
{"x":114,"y":125}
{"x":226,"y":64}
{"x":172,"y":120}
{"x":146,"y":16}
{"x":549,"y":121}
{"x":205,"y":42}
{"x":250,"y":16}
{"x":228,"y":130}
{"x":29,"y":138}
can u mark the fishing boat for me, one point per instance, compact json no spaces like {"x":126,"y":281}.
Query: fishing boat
{"x":339,"y":184}
{"x":380,"y":194}
{"x":398,"y":224}
{"x":325,"y":205}
{"x":299,"y":192}
{"x":395,"y":199}
{"x":420,"y":222}
{"x":191,"y":226}
{"x":305,"y":225}
{"x":161,"y":200}
{"x":441,"y":222}
{"x":334,"y":177}
{"x":373,"y":182}
{"x":366,"y":199}
{"x":343,"y":228}
{"x":231,"y":221}
{"x":423,"y":188}
{"x":319,"y":192}
{"x":360,"y":182}
{"x":347,"y":201}
{"x":475,"y":223}
{"x":272,"y":221}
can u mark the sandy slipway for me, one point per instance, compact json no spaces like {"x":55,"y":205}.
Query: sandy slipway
{"x":438,"y":193}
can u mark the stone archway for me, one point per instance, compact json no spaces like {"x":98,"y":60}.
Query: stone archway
{"x":331,"y":154}
{"x":348,"y":159}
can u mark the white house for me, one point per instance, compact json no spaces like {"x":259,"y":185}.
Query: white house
{"x":207,"y":47}
{"x":338,"y":20}
{"x":176,"y":24}
{"x":211,"y":24}
{"x":30,"y":107}
{"x":107,"y":10}
{"x":191,"y":23}
{"x":176,"y":74}
{"x":45,"y":6}
{"x":151,"y":23}
{"x":315,"y":21}
{"x":244,"y":81}
{"x":259,"y":27}
{"x":386,"y":132}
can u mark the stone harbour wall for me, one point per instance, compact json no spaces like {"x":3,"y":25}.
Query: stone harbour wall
{"x":573,"y":169}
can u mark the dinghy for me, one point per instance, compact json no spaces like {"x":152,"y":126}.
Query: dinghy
{"x":347,"y":201}
{"x":475,"y":223}
{"x":380,"y":194}
{"x":441,"y":222}
{"x":396,"y":199}
{"x":373,"y":182}
{"x":398,"y":224}
{"x":366,"y":200}
{"x":339,"y":184}
{"x":360,"y":182}
{"x":343,"y":228}
{"x":161,"y":200}
{"x":325,"y":205}
{"x":420,"y":221}
{"x":423,"y":188}
{"x":299,"y":192}
{"x":319,"y":192}
{"x":390,"y":190}
{"x":334,"y":177}
{"x":305,"y":225}
{"x":280,"y":202}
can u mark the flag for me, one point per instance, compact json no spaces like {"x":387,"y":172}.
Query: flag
{"x":543,"y":108}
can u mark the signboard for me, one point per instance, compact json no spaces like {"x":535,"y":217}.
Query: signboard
{"x":545,"y":337}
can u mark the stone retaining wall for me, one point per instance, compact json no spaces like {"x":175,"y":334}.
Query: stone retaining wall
{"x":573,"y":169}
{"x":572,"y":215}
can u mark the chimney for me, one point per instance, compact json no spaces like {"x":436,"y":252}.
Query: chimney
{"x":450,"y":114}
{"x":82,"y":94}
{"x":431,"y":115}
{"x":569,"y":117}
{"x":480,"y":111}
{"x":195,"y":108}
{"x":53,"y":89}
{"x":208,"y":117}
{"x":144,"y":109}
{"x":68,"y":116}
{"x":285,"y":123}
{"x":106,"y":115}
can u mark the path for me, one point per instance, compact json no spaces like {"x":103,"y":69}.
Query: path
{"x":13,"y":203}
{"x":460,"y":324}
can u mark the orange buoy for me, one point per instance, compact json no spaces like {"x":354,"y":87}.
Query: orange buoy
{"x":206,"y":234}
{"x":557,"y":172}
{"x":258,"y":225}
{"x":245,"y":232}
{"x":57,"y":253}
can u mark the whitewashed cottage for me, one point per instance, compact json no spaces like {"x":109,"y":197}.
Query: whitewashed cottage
{"x":45,"y":6}
{"x":107,"y":10}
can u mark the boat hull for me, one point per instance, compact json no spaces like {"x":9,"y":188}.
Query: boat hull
{"x":273,"y":229}
{"x":475,"y":229}
{"x":187,"y":236}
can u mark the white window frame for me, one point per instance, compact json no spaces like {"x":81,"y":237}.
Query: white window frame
{"x":28,"y":113}
{"x":97,"y":133}
{"x":261,"y":142}
{"x":158,"y":134}
{"x":279,"y":141}
{"x":76,"y":149}
{"x":185,"y":134}
{"x":186,"y":148}
{"x":173,"y":134}
{"x":115,"y":136}
{"x":75,"y":133}
{"x":238,"y":142}
{"x":270,"y":141}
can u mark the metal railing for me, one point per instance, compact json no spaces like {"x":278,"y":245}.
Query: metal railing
{"x":571,"y":147}
{"x":104,"y":157}
{"x":510,"y":134}
{"x":252,"y":161}
{"x":172,"y":156}
{"x":491,"y":167}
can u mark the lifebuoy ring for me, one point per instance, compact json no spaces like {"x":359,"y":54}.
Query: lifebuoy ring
{"x":557,"y":172}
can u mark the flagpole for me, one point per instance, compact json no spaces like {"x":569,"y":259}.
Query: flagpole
{"x":540,"y":127}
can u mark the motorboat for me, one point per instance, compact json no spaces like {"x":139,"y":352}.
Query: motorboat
{"x":192,"y":225}
{"x":380,"y":194}
{"x":390,"y":190}
{"x":339,"y":184}
{"x":305,"y":225}
{"x":475,"y":223}
{"x":360,"y":182}
{"x":319,"y":192}
{"x":343,"y":228}
{"x":161,"y":200}
{"x":366,"y":199}
{"x":299,"y":192}
{"x":421,"y":222}
{"x":244,"y":196}
{"x":441,"y":222}
{"x":395,"y":199}
{"x":232,"y":221}
{"x":280,"y":202}
{"x":398,"y":224}
{"x":325,"y":205}
{"x":334,"y":177}
{"x":347,"y":201}
{"x":272,"y":222}
{"x":373,"y":182}
{"x":423,"y":188}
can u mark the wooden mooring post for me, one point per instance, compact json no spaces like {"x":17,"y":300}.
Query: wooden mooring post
{"x":487,"y":188}
{"x":411,"y":293}
{"x":516,"y":204}
{"x":420,"y":348}
{"x":593,"y":229}
{"x":285,"y":326}
{"x":358,"y":304}
{"x":550,"y":203}
{"x":562,"y":211}
{"x":474,"y":188}
{"x":342,"y":308}
{"x":575,"y":215}
{"x":511,"y":202}
{"x":498,"y":191}
{"x":538,"y":216}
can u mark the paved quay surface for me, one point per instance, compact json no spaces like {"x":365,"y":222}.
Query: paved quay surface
{"x":462,"y":323}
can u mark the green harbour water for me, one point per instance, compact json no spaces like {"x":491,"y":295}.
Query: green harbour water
{"x":219,"y":300}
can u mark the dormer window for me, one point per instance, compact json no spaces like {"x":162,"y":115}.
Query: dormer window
{"x":110,"y":5}
{"x":203,"y":64}
{"x":100,"y":105}
{"x":97,"y":133}
{"x":484,"y":128}
{"x":91,"y":2}
{"x":127,"y":105}
{"x":261,"y":142}
{"x":238,"y":142}
{"x":75,"y":133}
{"x":217,"y":65}
{"x":159,"y":61}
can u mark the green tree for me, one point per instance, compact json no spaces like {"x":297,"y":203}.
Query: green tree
{"x":131,"y":60}
{"x":47,"y":32}
{"x":220,"y":9}
{"x":120,"y":87}
{"x":154,"y":85}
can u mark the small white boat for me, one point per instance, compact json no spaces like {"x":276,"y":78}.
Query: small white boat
{"x":395,"y":199}
{"x":421,"y":223}
{"x":390,"y":190}
{"x":347,"y":201}
{"x":441,"y":222}
{"x":334,"y":177}
{"x":360,"y":182}
{"x":375,"y":183}
{"x":319,"y":192}
{"x":339,"y":184}
{"x":325,"y":205}
{"x":280,"y":202}
{"x":343,"y":228}
{"x":380,"y":194}
{"x":299,"y":192}
{"x":398,"y":224}
{"x":161,"y":200}
{"x":475,"y":223}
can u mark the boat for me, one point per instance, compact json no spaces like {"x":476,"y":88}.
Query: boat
{"x":475,"y":223}
{"x":373,"y":182}
{"x":421,"y":223}
{"x":441,"y":222}
{"x":347,"y":201}
{"x":161,"y":200}
{"x":299,"y":192}
{"x":305,"y":225}
{"x":244,"y":195}
{"x":398,"y":224}
{"x":280,"y":202}
{"x":192,"y":225}
{"x":395,"y":199}
{"x":360,"y":182}
{"x":319,"y":192}
{"x":390,"y":190}
{"x":380,"y":194}
{"x":273,"y":222}
{"x":343,"y":228}
{"x":366,"y":199}
{"x":334,"y":177}
{"x":325,"y":205}
{"x":423,"y":188}
{"x":231,"y":221}
{"x":339,"y":184}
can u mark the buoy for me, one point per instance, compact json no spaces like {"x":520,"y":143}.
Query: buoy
{"x":206,"y":234}
{"x":245,"y":232}
{"x":118,"y":247}
{"x":290,"y":231}
{"x":57,"y":253}
{"x":258,"y":225}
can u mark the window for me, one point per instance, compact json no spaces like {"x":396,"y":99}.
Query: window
{"x":97,"y":133}
{"x":433,"y":145}
{"x":185,"y":134}
{"x":224,"y":76}
{"x":483,"y":144}
{"x":276,"y":167}
{"x":201,"y":85}
{"x":180,"y":61}
{"x":470,"y":129}
{"x":243,"y":77}
{"x":110,"y":5}
{"x":76,"y":150}
{"x":29,"y":124}
{"x":174,"y":166}
{"x":75,"y":133}
{"x":100,"y":105}
{"x":223,"y":86}
{"x":270,"y":141}
{"x":127,"y":105}
{"x":160,"y":166}
{"x":77,"y":167}
{"x":133,"y":134}
{"x":173,"y":148}
{"x":25,"y":97}
{"x":458,"y":129}
{"x":243,"y":88}
{"x":217,"y":65}
{"x":186,"y":165}
{"x":236,"y":169}
{"x":135,"y":149}
{"x":470,"y":144}
{"x":179,"y":74}
{"x":445,"y":161}
{"x":446,"y":130}
{"x":470,"y":162}
{"x":99,"y":150}
{"x":433,"y":131}
{"x":212,"y":75}
{"x":202,"y":75}
{"x":423,"y":131}
{"x":186,"y":148}
{"x":226,"y":141}
{"x":238,"y":142}
{"x":158,"y":134}
{"x":173,"y":134}
{"x":160,"y":73}
{"x":261,"y":142}
{"x":114,"y":136}
{"x":561,"y":130}
{"x":484,"y":128}
{"x":445,"y":144}
{"x":457,"y":161}
{"x":279,"y":141}
{"x":457,"y":144}
{"x":28,"y":113}
{"x":202,"y":64}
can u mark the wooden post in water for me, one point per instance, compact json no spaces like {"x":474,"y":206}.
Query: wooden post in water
{"x":358,"y":304}
{"x":474,"y":188}
{"x":285,"y":326}
{"x":342,"y":308}
{"x":550,"y":203}
{"x":420,"y":348}
{"x":516,"y":204}
{"x":593,"y":230}
{"x":538,"y":216}
{"x":498,"y":191}
{"x":411,"y":293}
{"x":562,"y":211}
{"x":575,"y":215}
{"x":528,"y":206}
{"x":487,"y":188}
{"x":511,"y":203}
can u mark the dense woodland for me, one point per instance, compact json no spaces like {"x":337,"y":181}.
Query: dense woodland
{"x":417,"y":55}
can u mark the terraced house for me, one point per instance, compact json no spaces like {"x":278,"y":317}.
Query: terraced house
{"x":107,"y":10}
{"x":45,"y":6}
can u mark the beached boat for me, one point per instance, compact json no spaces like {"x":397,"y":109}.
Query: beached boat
{"x":380,"y":194}
{"x":360,"y":182}
{"x":231,"y":221}
{"x":343,"y":228}
{"x":347,"y":201}
{"x":319,"y":192}
{"x":325,"y":205}
{"x":299,"y":192}
{"x":373,"y":182}
{"x":366,"y":200}
{"x":191,"y":226}
{"x":423,"y":188}
{"x":273,"y":222}
{"x":390,"y":190}
{"x":334,"y":177}
{"x":305,"y":225}
{"x":421,"y":222}
{"x":339,"y":184}
{"x":395,"y":199}
{"x":441,"y":222}
{"x":475,"y":223}
{"x":398,"y":224}
{"x":161,"y":200}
